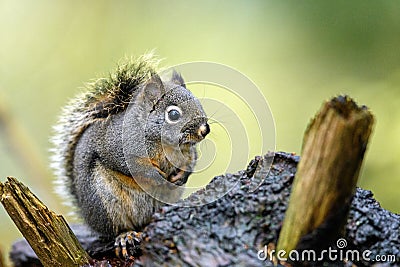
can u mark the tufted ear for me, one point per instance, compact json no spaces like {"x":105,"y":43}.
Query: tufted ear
{"x":177,"y":79}
{"x":152,"y":91}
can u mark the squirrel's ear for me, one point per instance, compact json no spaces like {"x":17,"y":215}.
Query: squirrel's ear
{"x":177,"y":79}
{"x":153,"y":89}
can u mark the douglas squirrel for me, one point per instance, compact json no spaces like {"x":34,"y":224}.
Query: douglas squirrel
{"x":89,"y":157}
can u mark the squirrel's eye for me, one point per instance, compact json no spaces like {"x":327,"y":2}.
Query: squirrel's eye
{"x":173,"y":114}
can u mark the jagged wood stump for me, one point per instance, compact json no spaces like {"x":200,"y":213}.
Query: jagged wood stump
{"x":333,"y":150}
{"x":47,"y":233}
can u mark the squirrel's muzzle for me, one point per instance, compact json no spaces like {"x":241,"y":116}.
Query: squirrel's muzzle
{"x":195,"y":131}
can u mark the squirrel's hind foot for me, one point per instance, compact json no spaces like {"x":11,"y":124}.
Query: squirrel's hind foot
{"x":127,"y":244}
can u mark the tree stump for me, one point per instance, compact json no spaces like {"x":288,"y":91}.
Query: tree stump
{"x":333,"y":150}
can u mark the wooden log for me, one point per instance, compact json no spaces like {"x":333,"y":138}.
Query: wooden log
{"x":235,"y":227}
{"x":47,"y":233}
{"x":333,"y":150}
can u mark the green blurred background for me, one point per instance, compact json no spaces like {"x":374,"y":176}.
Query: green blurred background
{"x":299,"y":53}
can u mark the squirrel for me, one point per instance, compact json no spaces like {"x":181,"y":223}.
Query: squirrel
{"x":110,"y":187}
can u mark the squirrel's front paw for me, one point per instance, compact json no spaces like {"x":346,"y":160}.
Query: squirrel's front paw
{"x":127,"y":244}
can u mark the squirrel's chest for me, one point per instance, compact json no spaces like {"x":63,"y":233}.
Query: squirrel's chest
{"x":128,"y":207}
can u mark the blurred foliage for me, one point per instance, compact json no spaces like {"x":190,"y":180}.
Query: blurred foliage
{"x":298,"y":53}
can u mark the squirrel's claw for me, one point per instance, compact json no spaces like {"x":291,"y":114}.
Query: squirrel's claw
{"x":127,"y":244}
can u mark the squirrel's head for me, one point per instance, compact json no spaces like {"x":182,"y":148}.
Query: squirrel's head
{"x":175,"y":116}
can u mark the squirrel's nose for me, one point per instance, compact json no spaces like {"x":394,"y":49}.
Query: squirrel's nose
{"x":204,"y":129}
